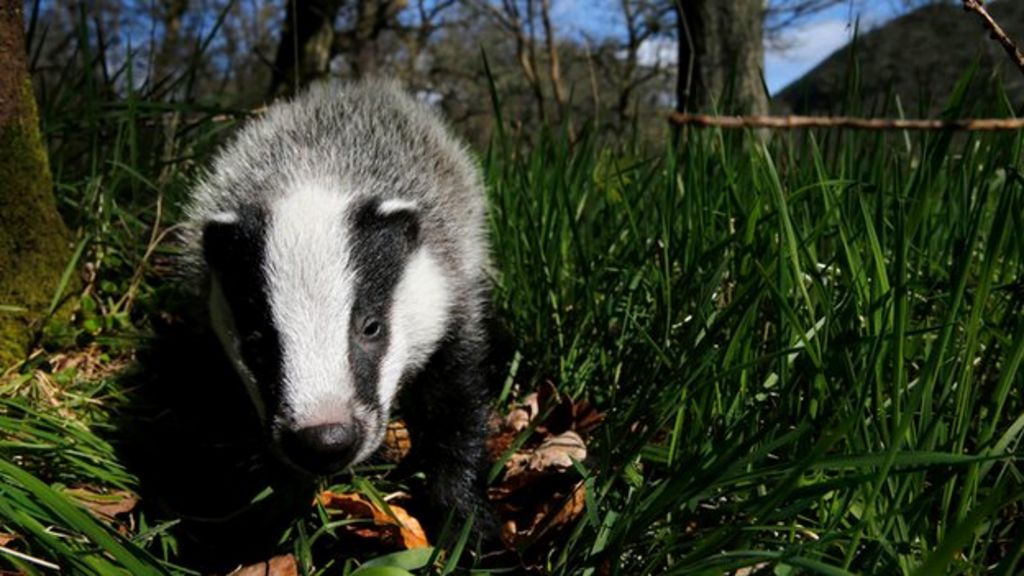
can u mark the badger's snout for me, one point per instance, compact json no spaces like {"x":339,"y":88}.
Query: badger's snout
{"x":322,"y":449}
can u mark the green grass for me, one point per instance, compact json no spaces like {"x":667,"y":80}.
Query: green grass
{"x":808,"y":349}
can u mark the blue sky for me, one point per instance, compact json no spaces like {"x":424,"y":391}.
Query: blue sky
{"x":800,"y":48}
{"x":811,"y":41}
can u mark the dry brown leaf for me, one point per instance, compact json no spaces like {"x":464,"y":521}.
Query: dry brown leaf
{"x":558,"y":501}
{"x":402,"y":530}
{"x":559,"y":451}
{"x":519,"y":418}
{"x":572,"y":508}
{"x":585,"y":417}
{"x":556,"y":453}
{"x":397,"y":442}
{"x":6,"y":538}
{"x":539,"y":494}
{"x":499,"y":442}
{"x":106,"y":506}
{"x":562,"y":414}
{"x":284,"y":565}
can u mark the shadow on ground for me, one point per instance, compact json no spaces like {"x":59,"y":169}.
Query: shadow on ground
{"x":190,"y":435}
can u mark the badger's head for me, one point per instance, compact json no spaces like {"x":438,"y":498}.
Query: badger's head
{"x":324,"y":302}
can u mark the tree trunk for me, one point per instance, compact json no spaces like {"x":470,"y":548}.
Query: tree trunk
{"x":307,"y":39}
{"x":168,"y":57}
{"x":33,"y":239}
{"x":721,"y":56}
{"x":372,"y":18}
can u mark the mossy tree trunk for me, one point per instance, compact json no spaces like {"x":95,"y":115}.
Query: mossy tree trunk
{"x":33,"y":239}
{"x":721,"y":56}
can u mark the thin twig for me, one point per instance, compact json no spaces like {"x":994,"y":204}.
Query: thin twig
{"x":793,"y":122}
{"x":996,"y":31}
{"x":31,"y":559}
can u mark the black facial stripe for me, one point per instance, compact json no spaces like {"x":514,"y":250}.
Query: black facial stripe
{"x":381,"y":243}
{"x":235,"y":254}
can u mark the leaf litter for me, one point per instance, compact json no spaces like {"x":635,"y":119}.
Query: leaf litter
{"x":538,"y":494}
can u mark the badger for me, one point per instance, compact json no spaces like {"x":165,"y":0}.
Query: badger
{"x":338,"y":246}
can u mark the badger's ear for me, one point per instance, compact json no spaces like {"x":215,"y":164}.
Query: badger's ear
{"x":230,"y":239}
{"x":219,"y":233}
{"x":400,"y":218}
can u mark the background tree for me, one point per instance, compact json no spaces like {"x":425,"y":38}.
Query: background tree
{"x":362,"y":42}
{"x":645,"y":22}
{"x":619,"y":68}
{"x":721,"y":56}
{"x":33,"y":239}
{"x":518,"y":19}
{"x":307,"y":39}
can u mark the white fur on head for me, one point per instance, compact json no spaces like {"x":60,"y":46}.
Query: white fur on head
{"x":310,"y":289}
{"x":420,"y":309}
{"x":419,"y":318}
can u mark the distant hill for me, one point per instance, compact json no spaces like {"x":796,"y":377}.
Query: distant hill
{"x":919,"y":56}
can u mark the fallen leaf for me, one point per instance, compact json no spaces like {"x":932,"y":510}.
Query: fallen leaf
{"x":585,"y":417}
{"x":572,"y":508}
{"x":106,"y":506}
{"x":400,"y":530}
{"x":539,"y":493}
{"x":499,"y":442}
{"x":518,"y":419}
{"x":559,"y":451}
{"x":556,"y":452}
{"x":6,"y":538}
{"x":397,"y":442}
{"x":539,"y":511}
{"x":277,"y":566}
{"x":521,"y":416}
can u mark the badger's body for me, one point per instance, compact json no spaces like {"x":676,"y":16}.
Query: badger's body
{"x":338,"y":243}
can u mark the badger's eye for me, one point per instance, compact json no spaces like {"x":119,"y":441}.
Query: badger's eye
{"x":371,"y":328}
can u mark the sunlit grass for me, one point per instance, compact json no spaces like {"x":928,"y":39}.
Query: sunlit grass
{"x":808,"y":347}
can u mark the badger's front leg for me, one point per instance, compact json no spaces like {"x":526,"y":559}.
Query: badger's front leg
{"x":446,"y":410}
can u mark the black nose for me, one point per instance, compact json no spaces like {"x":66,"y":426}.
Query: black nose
{"x":321,"y":449}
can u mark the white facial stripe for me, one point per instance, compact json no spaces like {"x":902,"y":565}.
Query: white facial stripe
{"x":419,"y":318}
{"x":395,"y":205}
{"x":310,"y":287}
{"x":224,"y":217}
{"x":223,"y":323}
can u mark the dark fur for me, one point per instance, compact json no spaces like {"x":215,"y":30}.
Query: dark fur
{"x":392,"y":147}
{"x":446,"y":409}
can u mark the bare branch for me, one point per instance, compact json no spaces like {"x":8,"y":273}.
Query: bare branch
{"x":784,"y":13}
{"x":554,"y":62}
{"x":508,"y":16}
{"x":996,"y":32}
{"x":502,"y":19}
{"x":796,"y":122}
